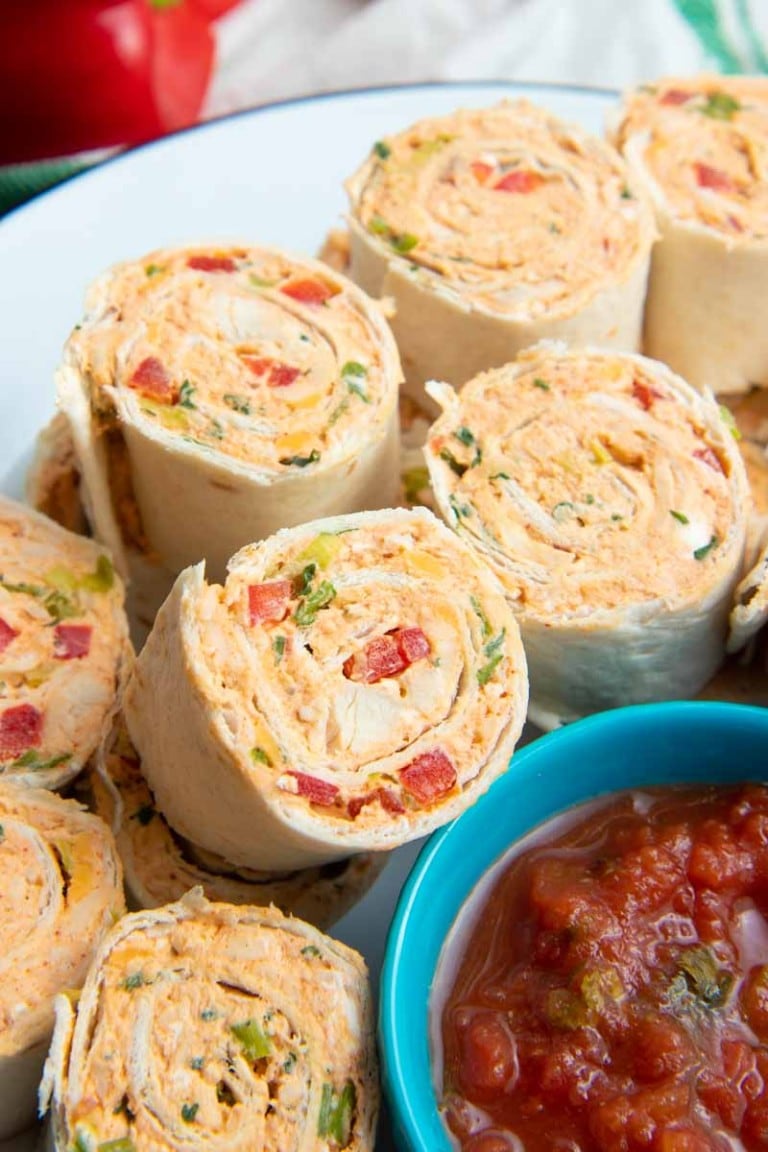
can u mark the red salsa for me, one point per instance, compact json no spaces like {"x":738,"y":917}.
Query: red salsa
{"x":611,"y":994}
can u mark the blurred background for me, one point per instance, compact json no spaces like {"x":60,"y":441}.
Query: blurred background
{"x":79,"y":78}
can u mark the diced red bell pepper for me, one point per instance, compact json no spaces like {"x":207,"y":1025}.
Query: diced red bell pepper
{"x":71,"y":641}
{"x":268,"y":603}
{"x":389,"y":800}
{"x":387,"y":655}
{"x":413,"y":643}
{"x":212,"y":264}
{"x":315,"y":790}
{"x":709,"y":457}
{"x":7,"y":634}
{"x":309,"y":291}
{"x":21,"y":727}
{"x":709,"y":177}
{"x":675,"y":96}
{"x":279,"y":375}
{"x":152,"y":380}
{"x":481,"y":171}
{"x":519,"y":180}
{"x":429,"y":776}
{"x":645,"y":394}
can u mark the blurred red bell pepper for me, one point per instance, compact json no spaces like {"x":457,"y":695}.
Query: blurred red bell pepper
{"x":83,"y":74}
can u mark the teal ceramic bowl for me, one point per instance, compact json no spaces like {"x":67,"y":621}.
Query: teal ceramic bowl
{"x":630,"y":747}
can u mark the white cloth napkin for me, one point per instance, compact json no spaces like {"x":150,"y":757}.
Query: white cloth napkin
{"x":276,"y":49}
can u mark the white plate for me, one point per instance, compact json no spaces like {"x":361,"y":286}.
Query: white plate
{"x":272,"y":175}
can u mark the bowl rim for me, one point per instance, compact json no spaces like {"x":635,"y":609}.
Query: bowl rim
{"x":402,"y":1102}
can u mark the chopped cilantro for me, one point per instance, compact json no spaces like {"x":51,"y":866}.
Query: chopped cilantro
{"x":494,"y":651}
{"x":538,"y":382}
{"x":196,"y":1063}
{"x":679,"y":516}
{"x":134,"y":981}
{"x":720,"y":106}
{"x":237,"y":403}
{"x":153,"y":269}
{"x":31,"y":759}
{"x":27,"y":589}
{"x":188,"y":1112}
{"x":215,"y":430}
{"x":310,"y":950}
{"x":708,"y":983}
{"x":308,"y":608}
{"x":485,"y":622}
{"x":455,"y":465}
{"x":186,"y":392}
{"x":278,"y":647}
{"x":626,"y":193}
{"x":459,"y":510}
{"x":300,"y":461}
{"x":122,"y":1144}
{"x":208,"y":1014}
{"x":289,"y":1062}
{"x":302,"y":583}
{"x":700,"y":553}
{"x":259,"y":756}
{"x":382,"y":150}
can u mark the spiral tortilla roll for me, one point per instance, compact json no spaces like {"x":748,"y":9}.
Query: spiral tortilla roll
{"x":64,"y":647}
{"x":750,"y":611}
{"x":53,"y":479}
{"x":160,"y":867}
{"x":216,"y":395}
{"x":493,"y":229}
{"x":699,"y":146}
{"x":216,"y":1026}
{"x":611,"y":500}
{"x":62,"y":889}
{"x":356,"y":683}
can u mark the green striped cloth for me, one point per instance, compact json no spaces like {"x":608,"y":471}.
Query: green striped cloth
{"x":20,"y":182}
{"x":733,"y":33}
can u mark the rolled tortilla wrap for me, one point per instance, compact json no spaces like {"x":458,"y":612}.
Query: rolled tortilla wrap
{"x":62,"y":889}
{"x":216,"y":395}
{"x":160,"y":866}
{"x":64,"y":647}
{"x":53,"y":480}
{"x":492,"y":229}
{"x":699,"y":146}
{"x":611,"y":500}
{"x":750,"y":611}
{"x":356,"y":683}
{"x":216,"y":1026}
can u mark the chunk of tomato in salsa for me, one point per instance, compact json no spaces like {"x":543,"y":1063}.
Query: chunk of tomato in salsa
{"x":600,"y":1002}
